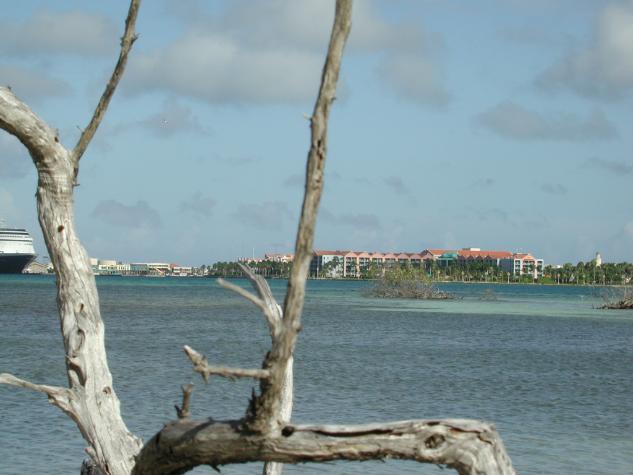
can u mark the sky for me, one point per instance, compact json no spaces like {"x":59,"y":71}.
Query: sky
{"x":498,"y":124}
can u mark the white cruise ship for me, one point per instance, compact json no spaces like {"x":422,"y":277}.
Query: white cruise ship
{"x":16,"y":250}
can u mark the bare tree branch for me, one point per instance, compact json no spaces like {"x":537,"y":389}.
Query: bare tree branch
{"x":470,"y":447}
{"x":271,"y":309}
{"x":41,"y":141}
{"x":183,"y":412}
{"x":128,"y":39}
{"x":92,"y":402}
{"x":264,"y":417}
{"x":243,"y":292}
{"x":56,"y":395}
{"x":201,"y":366}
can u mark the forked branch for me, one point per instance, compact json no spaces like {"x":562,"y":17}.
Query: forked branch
{"x":265,"y":418}
{"x":264,"y":300}
{"x":183,"y":411}
{"x":127,"y":40}
{"x":202,"y":367}
{"x":56,"y":395}
{"x":90,"y":400}
{"x":470,"y":447}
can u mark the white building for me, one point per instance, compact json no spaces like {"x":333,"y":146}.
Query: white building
{"x":522,"y":264}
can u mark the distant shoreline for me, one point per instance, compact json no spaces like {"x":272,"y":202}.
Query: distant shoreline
{"x":546,"y":284}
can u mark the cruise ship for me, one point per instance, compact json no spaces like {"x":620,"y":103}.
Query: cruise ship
{"x":16,"y":250}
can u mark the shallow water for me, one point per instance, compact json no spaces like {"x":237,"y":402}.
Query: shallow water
{"x":552,"y":372}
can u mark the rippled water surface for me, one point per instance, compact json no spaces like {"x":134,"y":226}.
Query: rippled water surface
{"x":551,"y":371}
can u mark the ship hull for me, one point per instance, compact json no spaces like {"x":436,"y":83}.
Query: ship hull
{"x":14,"y":263}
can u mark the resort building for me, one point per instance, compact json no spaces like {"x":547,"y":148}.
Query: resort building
{"x":182,"y":271}
{"x":285,"y":258}
{"x":523,"y":264}
{"x":358,"y":263}
{"x":108,"y":267}
{"x":355,"y":264}
{"x":514,"y":263}
{"x":327,"y":263}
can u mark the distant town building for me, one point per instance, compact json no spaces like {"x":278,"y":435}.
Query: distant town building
{"x":108,"y":267}
{"x":514,"y":263}
{"x":350,"y":264}
{"x":150,"y":269}
{"x":327,"y":263}
{"x":36,"y":268}
{"x":356,"y":263}
{"x":598,"y":259}
{"x":523,"y":264}
{"x":285,"y":258}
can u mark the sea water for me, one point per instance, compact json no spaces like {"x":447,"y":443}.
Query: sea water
{"x":553,"y":372}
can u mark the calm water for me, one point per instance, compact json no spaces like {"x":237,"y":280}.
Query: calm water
{"x":553,"y":373}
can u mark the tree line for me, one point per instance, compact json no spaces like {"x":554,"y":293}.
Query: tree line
{"x":582,"y":273}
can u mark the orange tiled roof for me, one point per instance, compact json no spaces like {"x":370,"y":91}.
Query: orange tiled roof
{"x":330,"y":253}
{"x":438,"y":252}
{"x":466,"y":253}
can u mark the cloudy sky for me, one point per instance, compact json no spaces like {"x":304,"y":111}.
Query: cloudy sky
{"x":500,"y":124}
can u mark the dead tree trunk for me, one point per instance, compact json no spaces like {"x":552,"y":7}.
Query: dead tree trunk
{"x":470,"y":447}
{"x":89,"y":399}
{"x":264,"y":433}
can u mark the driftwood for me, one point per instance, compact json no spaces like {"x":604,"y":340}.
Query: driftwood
{"x":89,"y":399}
{"x":624,"y":304}
{"x":264,"y":433}
{"x":408,"y":289}
{"x":470,"y":447}
{"x":623,"y":301}
{"x":406,"y":283}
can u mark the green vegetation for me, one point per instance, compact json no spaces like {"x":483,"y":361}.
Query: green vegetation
{"x":406,"y":283}
{"x":271,"y":269}
{"x":587,"y":273}
{"x":623,"y":300}
{"x":471,"y":271}
{"x":583,"y":273}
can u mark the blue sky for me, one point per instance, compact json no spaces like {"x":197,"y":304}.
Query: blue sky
{"x":500,"y":124}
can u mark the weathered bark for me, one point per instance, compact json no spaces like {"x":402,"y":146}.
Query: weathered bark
{"x":266,"y":302}
{"x":469,"y":447}
{"x":264,"y":434}
{"x":264,"y":416}
{"x":624,"y":302}
{"x":90,"y":399}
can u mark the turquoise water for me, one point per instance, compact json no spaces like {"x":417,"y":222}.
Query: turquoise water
{"x":551,"y":371}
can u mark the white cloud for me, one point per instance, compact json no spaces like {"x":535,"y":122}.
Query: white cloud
{"x":14,"y":159}
{"x":140,"y":215}
{"x":30,"y":84}
{"x":8,"y":208}
{"x":414,"y":77}
{"x":513,"y":121}
{"x":364,"y":222}
{"x":77,"y":33}
{"x":174,"y":118}
{"x":554,"y":188}
{"x":220,"y":70}
{"x":605,"y":68}
{"x":267,"y":215}
{"x":199,"y":205}
{"x":483,"y":183}
{"x":263,"y":52}
{"x":617,"y":167}
{"x":618,"y":246}
{"x":294,"y":180}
